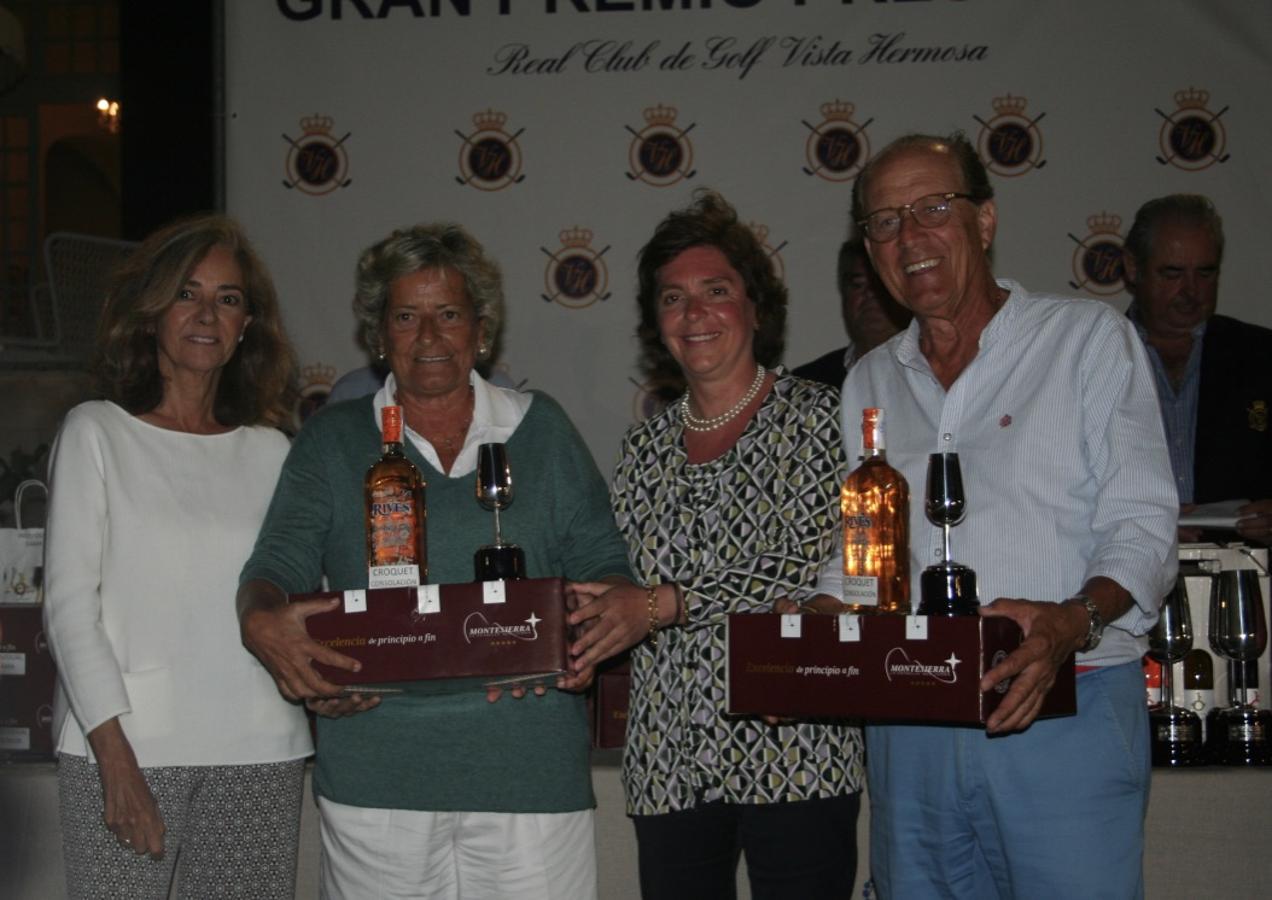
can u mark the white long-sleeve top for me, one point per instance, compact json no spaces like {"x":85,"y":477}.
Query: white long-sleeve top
{"x":147,"y":532}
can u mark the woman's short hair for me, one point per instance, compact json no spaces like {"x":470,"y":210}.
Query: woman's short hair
{"x":257,"y":385}
{"x":410,"y":250}
{"x":710,"y":221}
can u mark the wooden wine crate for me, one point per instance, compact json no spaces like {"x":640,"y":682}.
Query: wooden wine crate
{"x":445,"y":638}
{"x":877,"y":667}
{"x":610,"y":702}
{"x":27,"y":680}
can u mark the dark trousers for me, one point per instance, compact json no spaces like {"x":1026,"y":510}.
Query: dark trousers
{"x":803,"y":850}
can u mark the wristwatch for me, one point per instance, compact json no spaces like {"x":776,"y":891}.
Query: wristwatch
{"x":1095,"y":629}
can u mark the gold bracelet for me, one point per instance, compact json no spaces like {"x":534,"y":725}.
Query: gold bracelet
{"x":652,"y":594}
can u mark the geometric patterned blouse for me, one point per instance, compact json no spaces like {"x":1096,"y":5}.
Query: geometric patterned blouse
{"x":735,"y":533}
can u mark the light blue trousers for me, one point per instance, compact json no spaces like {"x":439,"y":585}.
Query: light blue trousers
{"x":1056,"y":811}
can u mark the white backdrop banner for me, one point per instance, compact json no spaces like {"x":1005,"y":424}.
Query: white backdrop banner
{"x":561,"y":131}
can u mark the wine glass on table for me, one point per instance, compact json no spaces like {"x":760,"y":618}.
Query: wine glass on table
{"x":497,"y":561}
{"x":1239,"y":632}
{"x":947,"y":588}
{"x":1176,"y":732}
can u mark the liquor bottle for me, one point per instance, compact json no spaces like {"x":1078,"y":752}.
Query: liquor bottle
{"x":875,"y":502}
{"x":1152,"y":680}
{"x":1199,"y":681}
{"x":1216,"y":729}
{"x":397,"y":540}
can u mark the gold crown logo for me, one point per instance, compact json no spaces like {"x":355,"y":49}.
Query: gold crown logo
{"x":837,"y":110}
{"x":316,"y":124}
{"x":1104,"y":223}
{"x":761,"y":232}
{"x":576,"y":237}
{"x":1193,"y":98}
{"x":317,"y":373}
{"x":490,"y":120}
{"x":660,"y":115}
{"x":1010,"y":106}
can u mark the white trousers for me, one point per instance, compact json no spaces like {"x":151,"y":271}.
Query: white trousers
{"x":397,"y":853}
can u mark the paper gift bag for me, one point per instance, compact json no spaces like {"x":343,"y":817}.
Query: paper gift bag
{"x":22,"y":554}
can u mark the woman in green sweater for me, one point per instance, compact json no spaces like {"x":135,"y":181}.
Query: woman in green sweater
{"x":448,"y":796}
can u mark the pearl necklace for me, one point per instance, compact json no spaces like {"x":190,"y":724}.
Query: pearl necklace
{"x":693,"y":423}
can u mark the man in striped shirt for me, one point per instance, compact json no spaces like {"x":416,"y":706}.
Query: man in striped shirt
{"x":1070,"y":527}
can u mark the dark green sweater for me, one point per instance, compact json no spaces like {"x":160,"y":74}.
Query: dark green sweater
{"x":452,"y":752}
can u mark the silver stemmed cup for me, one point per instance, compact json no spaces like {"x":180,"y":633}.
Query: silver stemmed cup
{"x":497,"y":561}
{"x":1239,"y":631}
{"x":1176,"y":732}
{"x":947,"y":588}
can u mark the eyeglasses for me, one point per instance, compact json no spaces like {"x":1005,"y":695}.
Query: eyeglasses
{"x":931,"y":211}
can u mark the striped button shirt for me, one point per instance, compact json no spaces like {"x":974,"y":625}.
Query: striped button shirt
{"x":1179,"y":407}
{"x":1064,"y":460}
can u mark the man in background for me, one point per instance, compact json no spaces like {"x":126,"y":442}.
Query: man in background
{"x":1213,"y":373}
{"x":871,"y":316}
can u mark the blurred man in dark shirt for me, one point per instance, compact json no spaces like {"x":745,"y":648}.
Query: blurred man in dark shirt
{"x":1213,"y":373}
{"x":870,"y":314}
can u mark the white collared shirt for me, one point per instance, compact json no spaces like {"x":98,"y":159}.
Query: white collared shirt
{"x":497,"y":412}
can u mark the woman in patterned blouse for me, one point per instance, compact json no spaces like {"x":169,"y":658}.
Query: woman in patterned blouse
{"x":728,"y":500}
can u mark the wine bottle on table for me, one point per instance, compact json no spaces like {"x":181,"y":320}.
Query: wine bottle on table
{"x":875,"y":503}
{"x":1199,"y":681}
{"x":396,"y":518}
{"x":1152,"y":680}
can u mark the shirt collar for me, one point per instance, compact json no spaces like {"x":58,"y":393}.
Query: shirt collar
{"x":998,"y":328}
{"x":496,"y":414}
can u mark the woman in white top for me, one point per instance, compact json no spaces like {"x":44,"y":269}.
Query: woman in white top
{"x":172,"y":741}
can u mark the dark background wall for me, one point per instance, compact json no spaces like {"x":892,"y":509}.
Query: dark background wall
{"x":169,"y":148}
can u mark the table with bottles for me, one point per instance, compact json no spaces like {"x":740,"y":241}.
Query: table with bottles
{"x":1207,"y":670}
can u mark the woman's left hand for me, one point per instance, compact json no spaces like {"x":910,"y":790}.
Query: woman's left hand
{"x":130,"y":810}
{"x":610,"y":618}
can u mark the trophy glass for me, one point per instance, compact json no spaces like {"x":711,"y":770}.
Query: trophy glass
{"x":1176,"y":732}
{"x":497,"y":561}
{"x":1216,"y":734}
{"x":947,"y":588}
{"x":1239,"y":631}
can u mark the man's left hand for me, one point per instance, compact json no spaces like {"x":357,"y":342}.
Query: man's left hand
{"x":1052,"y":632}
{"x":1254,"y":522}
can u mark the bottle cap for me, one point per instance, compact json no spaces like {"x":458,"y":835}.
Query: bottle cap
{"x":391,"y":424}
{"x":872,"y":428}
